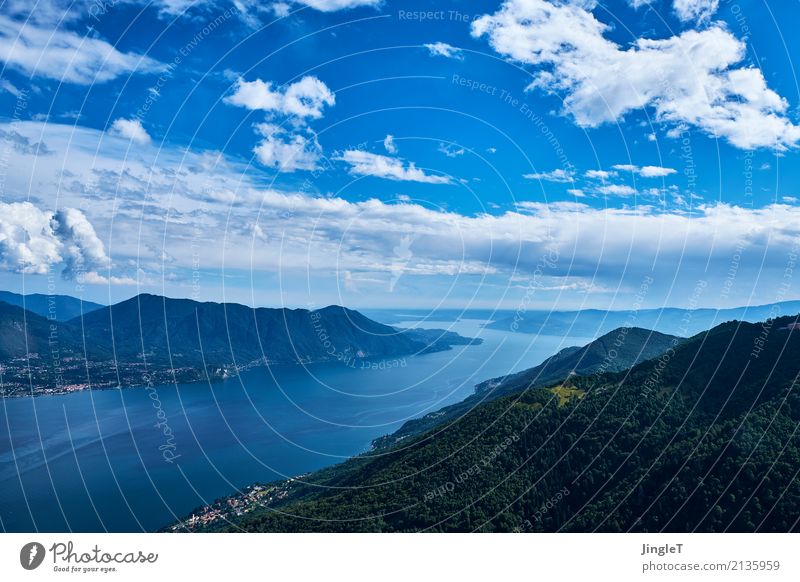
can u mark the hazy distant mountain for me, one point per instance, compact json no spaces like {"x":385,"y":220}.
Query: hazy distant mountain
{"x":594,"y":322}
{"x":703,"y":439}
{"x":57,"y":307}
{"x":615,"y":351}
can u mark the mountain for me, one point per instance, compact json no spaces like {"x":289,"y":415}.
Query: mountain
{"x":180,"y":340}
{"x":55,"y":307}
{"x":615,"y":351}
{"x":670,"y":320}
{"x":23,"y":333}
{"x":186,"y":332}
{"x":703,"y":438}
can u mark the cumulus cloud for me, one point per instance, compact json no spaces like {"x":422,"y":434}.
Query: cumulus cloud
{"x":306,"y":98}
{"x":66,"y":56}
{"x":646,"y":171}
{"x":27,"y":241}
{"x":442,"y":49}
{"x":33,"y":241}
{"x":695,"y":10}
{"x":131,"y":129}
{"x":83,"y":251}
{"x":695,"y":78}
{"x":287,"y":151}
{"x":599,"y":174}
{"x":368,"y":164}
{"x":297,"y":103}
{"x":557,"y":175}
{"x":389,"y":145}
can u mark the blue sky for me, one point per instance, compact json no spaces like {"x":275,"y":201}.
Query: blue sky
{"x":521,"y":154}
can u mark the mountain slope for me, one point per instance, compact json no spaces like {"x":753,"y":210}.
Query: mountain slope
{"x":56,"y":307}
{"x":186,"y":332}
{"x":23,"y":333}
{"x":155,"y":339}
{"x":615,"y":351}
{"x":703,"y":438}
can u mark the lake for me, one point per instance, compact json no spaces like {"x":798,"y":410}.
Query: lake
{"x":94,"y":460}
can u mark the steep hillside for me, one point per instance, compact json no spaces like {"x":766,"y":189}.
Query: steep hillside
{"x":617,"y":350}
{"x":24,"y":334}
{"x":703,"y":438}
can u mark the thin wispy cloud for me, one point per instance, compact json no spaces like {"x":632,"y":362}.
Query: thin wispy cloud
{"x":66,"y":56}
{"x":557,"y":175}
{"x":368,"y":164}
{"x":646,"y":171}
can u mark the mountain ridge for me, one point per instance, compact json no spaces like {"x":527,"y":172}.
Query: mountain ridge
{"x":56,"y":307}
{"x":631,"y":346}
{"x":170,"y":340}
{"x":701,"y":439}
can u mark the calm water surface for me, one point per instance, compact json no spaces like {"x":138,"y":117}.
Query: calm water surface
{"x":93,"y":461}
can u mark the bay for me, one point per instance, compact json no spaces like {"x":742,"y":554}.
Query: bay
{"x":97,"y":461}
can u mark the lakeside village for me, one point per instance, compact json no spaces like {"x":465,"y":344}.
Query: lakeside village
{"x":219,"y":513}
{"x":33,"y":375}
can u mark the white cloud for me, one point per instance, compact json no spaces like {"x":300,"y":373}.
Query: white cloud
{"x":646,"y":171}
{"x":389,"y":145}
{"x":131,"y":129}
{"x":302,"y":100}
{"x":334,"y":5}
{"x":599,"y":174}
{"x":174,"y":200}
{"x":286,"y":151}
{"x":656,"y":171}
{"x":281,"y":9}
{"x":695,"y":10}
{"x":66,"y":56}
{"x":33,"y":241}
{"x":9,"y":87}
{"x":84,"y":252}
{"x":617,"y":190}
{"x":695,"y":78}
{"x":557,"y":175}
{"x":27,"y":241}
{"x":442,"y":49}
{"x":368,"y":164}
{"x":450,"y":150}
{"x":305,"y":98}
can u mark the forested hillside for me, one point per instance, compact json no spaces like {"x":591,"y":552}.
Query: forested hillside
{"x":702,"y":438}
